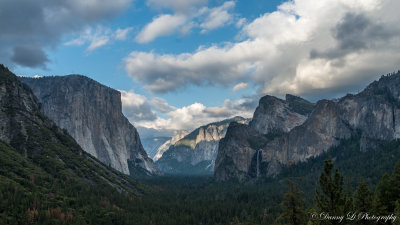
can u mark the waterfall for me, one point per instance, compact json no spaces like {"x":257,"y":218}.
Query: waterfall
{"x":258,"y":163}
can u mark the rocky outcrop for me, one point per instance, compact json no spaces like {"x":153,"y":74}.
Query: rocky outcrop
{"x":20,"y":111}
{"x":372,"y":114}
{"x":165,"y":146}
{"x":235,"y":159}
{"x":239,"y":152}
{"x":274,"y":115}
{"x":92,"y":115}
{"x":196,"y":152}
{"x":36,"y":151}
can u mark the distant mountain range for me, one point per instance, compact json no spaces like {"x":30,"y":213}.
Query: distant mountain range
{"x":152,"y":144}
{"x":194,"y":153}
{"x":165,"y":146}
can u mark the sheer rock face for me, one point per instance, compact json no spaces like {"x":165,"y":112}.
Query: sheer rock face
{"x":92,"y":115}
{"x":20,"y":110}
{"x":196,"y":152}
{"x":282,"y":116}
{"x":235,"y":155}
{"x":272,"y":117}
{"x":373,"y":114}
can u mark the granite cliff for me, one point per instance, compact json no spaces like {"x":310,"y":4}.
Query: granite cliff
{"x":250,"y":151}
{"x":283,"y":115}
{"x":196,"y":152}
{"x":92,"y":115}
{"x":240,"y":149}
{"x":34,"y":150}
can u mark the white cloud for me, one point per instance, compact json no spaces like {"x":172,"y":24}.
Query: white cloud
{"x":187,"y":16}
{"x":98,"y":37}
{"x":195,"y":115}
{"x":98,"y":42}
{"x":241,"y":22}
{"x":161,"y":26}
{"x":212,"y":66}
{"x":217,"y":17}
{"x":161,"y":105}
{"x":240,"y":86}
{"x":305,"y":47}
{"x":121,"y":34}
{"x":136,"y":107}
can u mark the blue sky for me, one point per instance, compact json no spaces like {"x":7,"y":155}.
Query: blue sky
{"x":104,"y":63}
{"x":182,"y":63}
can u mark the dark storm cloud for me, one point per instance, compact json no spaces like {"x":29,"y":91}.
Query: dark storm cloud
{"x":42,"y":23}
{"x":29,"y":56}
{"x":349,"y":31}
{"x":355,"y":32}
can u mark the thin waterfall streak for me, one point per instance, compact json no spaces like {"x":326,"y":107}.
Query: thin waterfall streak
{"x":258,"y":163}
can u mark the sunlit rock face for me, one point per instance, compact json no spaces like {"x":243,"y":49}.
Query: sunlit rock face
{"x":281,"y":136}
{"x":165,"y":146}
{"x":92,"y":115}
{"x":195,"y":153}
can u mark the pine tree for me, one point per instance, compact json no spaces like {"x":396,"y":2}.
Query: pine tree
{"x":383,"y":202}
{"x":363,"y":201}
{"x":348,"y":205}
{"x":293,"y":205}
{"x":330,"y":197}
{"x":363,"y":198}
{"x":397,"y":213}
{"x":395,"y":182}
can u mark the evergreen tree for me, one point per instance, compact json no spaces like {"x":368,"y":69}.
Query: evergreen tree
{"x":397,"y":213}
{"x":293,"y":205}
{"x":363,"y":198}
{"x":383,"y":202}
{"x":395,"y":182}
{"x":330,"y":197}
{"x":363,"y":201}
{"x":348,"y":205}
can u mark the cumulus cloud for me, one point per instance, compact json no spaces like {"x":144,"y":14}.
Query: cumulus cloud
{"x":142,"y":113}
{"x":187,"y":15}
{"x":217,"y":17}
{"x":160,"y":26}
{"x":136,"y":107}
{"x":304,"y":47}
{"x":240,"y":86}
{"x":211,"y":66}
{"x":195,"y":115}
{"x":43,"y":24}
{"x":161,"y":105}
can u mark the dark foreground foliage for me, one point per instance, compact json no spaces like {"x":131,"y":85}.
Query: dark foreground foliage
{"x":42,"y":190}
